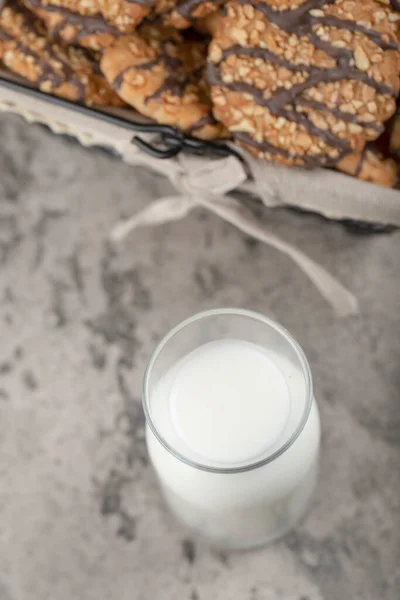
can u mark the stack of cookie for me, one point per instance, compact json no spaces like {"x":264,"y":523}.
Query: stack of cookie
{"x":299,"y":82}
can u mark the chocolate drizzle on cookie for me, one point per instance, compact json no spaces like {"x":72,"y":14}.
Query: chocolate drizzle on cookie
{"x":187,"y":8}
{"x":5,"y":37}
{"x":148,"y":3}
{"x":203,"y":122}
{"x":176,"y":80}
{"x":85,"y":25}
{"x":174,"y":85}
{"x":290,"y":103}
{"x":360,"y":161}
{"x":171,"y":83}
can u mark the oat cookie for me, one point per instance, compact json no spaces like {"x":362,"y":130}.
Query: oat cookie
{"x":163,"y":77}
{"x":67,"y":72}
{"x":72,"y":28}
{"x":370,"y":165}
{"x":305,"y":82}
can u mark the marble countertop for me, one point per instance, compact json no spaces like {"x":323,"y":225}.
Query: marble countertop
{"x":80,"y":513}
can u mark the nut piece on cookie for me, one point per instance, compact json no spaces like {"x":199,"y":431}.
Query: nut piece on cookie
{"x":163,"y":77}
{"x":67,"y":72}
{"x":305,"y":85}
{"x":72,"y":28}
{"x":370,"y":165}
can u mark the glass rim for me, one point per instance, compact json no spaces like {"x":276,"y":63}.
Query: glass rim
{"x":229,"y":312}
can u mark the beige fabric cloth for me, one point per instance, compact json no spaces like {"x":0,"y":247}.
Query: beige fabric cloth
{"x":208,"y":183}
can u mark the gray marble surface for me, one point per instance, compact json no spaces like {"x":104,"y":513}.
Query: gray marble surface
{"x":80,"y":513}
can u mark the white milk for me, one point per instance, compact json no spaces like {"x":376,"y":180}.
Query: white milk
{"x":227,"y":405}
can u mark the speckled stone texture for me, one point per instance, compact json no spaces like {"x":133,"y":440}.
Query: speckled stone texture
{"x":80,"y":513}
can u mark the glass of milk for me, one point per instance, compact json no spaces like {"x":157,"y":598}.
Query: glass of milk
{"x":232,"y":427}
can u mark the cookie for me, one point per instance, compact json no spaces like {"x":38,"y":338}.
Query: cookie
{"x":163,"y":77}
{"x":304,"y":85}
{"x":184,"y":13}
{"x":124,"y":15}
{"x":370,"y":165}
{"x":72,"y":28}
{"x":67,"y":72}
